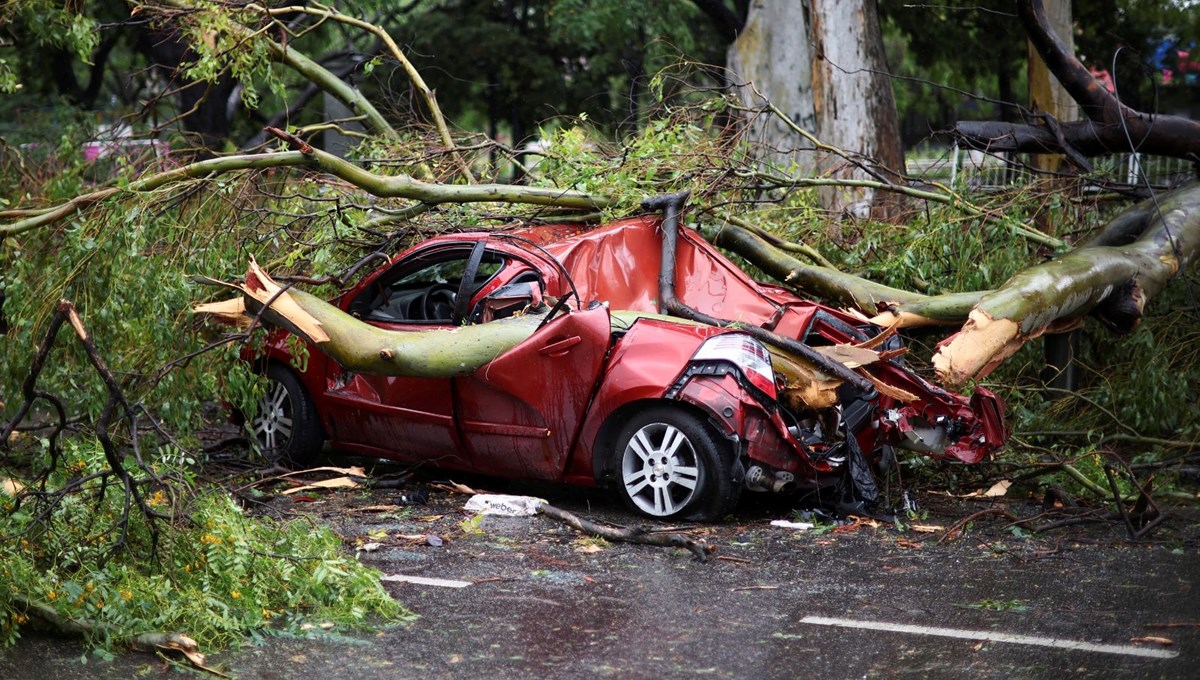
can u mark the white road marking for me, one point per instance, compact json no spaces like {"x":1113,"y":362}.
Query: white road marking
{"x":1057,"y":643}
{"x":424,"y":581}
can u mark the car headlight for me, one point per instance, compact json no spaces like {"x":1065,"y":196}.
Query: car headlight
{"x":746,"y":353}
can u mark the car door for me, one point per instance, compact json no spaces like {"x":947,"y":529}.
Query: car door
{"x":407,"y":418}
{"x":519,"y":415}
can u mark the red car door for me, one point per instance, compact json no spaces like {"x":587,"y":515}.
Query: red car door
{"x":408,"y":418}
{"x":519,"y":415}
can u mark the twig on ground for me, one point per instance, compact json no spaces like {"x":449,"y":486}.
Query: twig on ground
{"x":629,"y":534}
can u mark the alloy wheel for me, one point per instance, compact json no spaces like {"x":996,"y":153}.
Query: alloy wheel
{"x":660,"y":469}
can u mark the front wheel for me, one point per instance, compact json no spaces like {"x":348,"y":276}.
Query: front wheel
{"x":285,"y":423}
{"x":671,"y":464}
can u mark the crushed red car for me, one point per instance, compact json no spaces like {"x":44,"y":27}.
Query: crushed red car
{"x":680,"y":417}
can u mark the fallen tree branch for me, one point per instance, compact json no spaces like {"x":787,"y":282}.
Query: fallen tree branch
{"x":888,"y":305}
{"x":46,"y":501}
{"x":639,"y":535}
{"x":1111,"y":283}
{"x":414,"y":76}
{"x":144,"y":642}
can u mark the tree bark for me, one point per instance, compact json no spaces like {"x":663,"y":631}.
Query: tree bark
{"x":854,"y":104}
{"x":1046,"y":94}
{"x":822,"y":63}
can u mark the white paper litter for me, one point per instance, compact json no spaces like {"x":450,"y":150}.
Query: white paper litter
{"x":502,"y":505}
{"x":802,"y":526}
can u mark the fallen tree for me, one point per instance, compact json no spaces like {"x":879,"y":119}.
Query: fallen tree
{"x":370,"y":206}
{"x":1110,"y":277}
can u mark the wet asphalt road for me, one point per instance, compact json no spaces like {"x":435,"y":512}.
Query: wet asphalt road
{"x":542,"y":604}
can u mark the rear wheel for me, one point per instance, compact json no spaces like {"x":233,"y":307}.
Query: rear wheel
{"x":285,"y":423}
{"x":671,"y":464}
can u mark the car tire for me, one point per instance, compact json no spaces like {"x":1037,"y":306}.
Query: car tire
{"x":671,"y":464}
{"x":285,"y":423}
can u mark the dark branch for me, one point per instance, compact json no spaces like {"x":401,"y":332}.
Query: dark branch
{"x":1112,"y":126}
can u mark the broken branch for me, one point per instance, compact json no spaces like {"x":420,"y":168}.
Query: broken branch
{"x":628,"y":534}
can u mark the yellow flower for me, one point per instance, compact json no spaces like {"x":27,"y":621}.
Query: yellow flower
{"x":52,"y":596}
{"x":235,"y":594}
{"x":126,"y":595}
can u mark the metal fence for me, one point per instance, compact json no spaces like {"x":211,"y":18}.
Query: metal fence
{"x":980,"y":170}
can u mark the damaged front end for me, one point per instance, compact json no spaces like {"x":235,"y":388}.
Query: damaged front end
{"x":839,"y":436}
{"x":828,"y":401}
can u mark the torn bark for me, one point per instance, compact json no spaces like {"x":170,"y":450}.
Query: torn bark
{"x":1111,"y":282}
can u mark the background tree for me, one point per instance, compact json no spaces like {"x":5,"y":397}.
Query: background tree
{"x":824,"y":65}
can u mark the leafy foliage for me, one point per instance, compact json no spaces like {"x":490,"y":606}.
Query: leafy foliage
{"x":218,"y":575}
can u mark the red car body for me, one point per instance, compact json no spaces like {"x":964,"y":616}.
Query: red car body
{"x":554,"y":407}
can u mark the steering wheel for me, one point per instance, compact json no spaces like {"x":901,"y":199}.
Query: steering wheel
{"x":438,"y":302}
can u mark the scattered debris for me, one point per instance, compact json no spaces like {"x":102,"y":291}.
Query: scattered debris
{"x":454,"y":487}
{"x":412,"y":498}
{"x":379,"y":508}
{"x":334,"y":483}
{"x":354,"y":472}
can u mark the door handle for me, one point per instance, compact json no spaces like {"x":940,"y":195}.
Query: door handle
{"x":561,"y":347}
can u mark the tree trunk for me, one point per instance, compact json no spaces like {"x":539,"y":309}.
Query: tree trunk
{"x":772,"y":54}
{"x":854,"y":103}
{"x":822,"y":63}
{"x":1046,"y":94}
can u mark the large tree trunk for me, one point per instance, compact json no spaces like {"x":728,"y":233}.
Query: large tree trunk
{"x":822,"y":63}
{"x":772,"y":55}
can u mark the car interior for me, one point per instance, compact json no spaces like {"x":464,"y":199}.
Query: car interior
{"x":438,"y":289}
